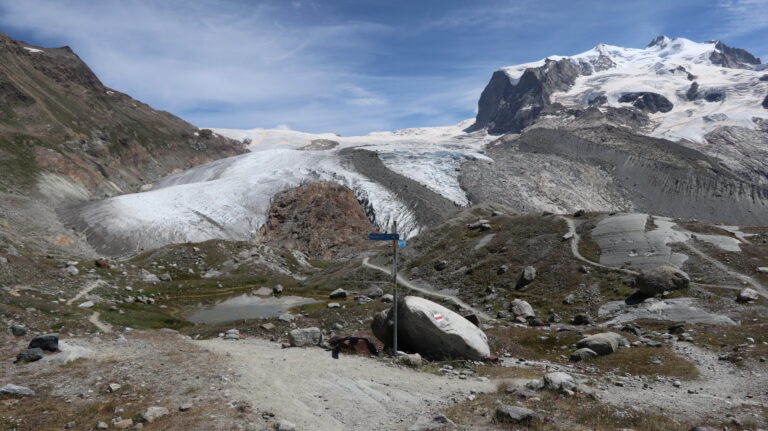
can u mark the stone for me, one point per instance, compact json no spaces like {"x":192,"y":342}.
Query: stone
{"x":513,"y":415}
{"x":87,"y":304}
{"x":478,"y":224}
{"x":232,"y":334}
{"x":581,"y":319}
{"x":263,"y":291}
{"x":521,"y":308}
{"x":412,"y":360}
{"x":579,"y":213}
{"x":165,"y":277}
{"x":440,"y":265}
{"x":603,"y":343}
{"x":185,"y":407}
{"x":10,"y":389}
{"x":676,"y":329}
{"x":152,"y":414}
{"x":762,"y":269}
{"x":18,"y":331}
{"x":70,"y":425}
{"x":334,"y":305}
{"x":661,"y":279}
{"x":284,"y":425}
{"x":305,"y":337}
{"x":147,"y":276}
{"x":527,"y":276}
{"x":569,"y":299}
{"x":72,"y":270}
{"x":523,"y":393}
{"x":30,"y":355}
{"x":704,"y":428}
{"x":583,"y":354}
{"x":747,"y":295}
{"x":277,"y":290}
{"x":362,"y":299}
{"x":3,"y":260}
{"x":48,"y":342}
{"x":432,"y":422}
{"x":558,"y":381}
{"x":286,"y":317}
{"x":387,"y":298}
{"x":338,"y":294}
{"x":102,"y":426}
{"x":431,"y":330}
{"x":267,"y":326}
{"x":374,"y":292}
{"x":113,"y":387}
{"x":123,"y":424}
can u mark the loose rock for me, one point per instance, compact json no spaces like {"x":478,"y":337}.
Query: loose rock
{"x":526,"y":277}
{"x":154,"y":413}
{"x":338,"y":294}
{"x":30,"y":355}
{"x":747,"y":295}
{"x":305,"y":337}
{"x":661,"y":279}
{"x":583,"y":354}
{"x":48,"y":342}
{"x":514,"y":415}
{"x":10,"y":389}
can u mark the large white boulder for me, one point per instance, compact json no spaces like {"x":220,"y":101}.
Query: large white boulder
{"x":603,"y":343}
{"x":431,"y":330}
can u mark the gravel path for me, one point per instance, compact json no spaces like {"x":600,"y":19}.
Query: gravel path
{"x":309,"y":388}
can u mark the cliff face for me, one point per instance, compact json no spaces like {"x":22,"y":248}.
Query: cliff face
{"x":67,"y":137}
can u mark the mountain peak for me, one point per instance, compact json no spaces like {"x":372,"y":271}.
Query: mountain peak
{"x":660,"y":40}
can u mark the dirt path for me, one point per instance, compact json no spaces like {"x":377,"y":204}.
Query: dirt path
{"x":745,"y":278}
{"x":86,"y":290}
{"x":309,"y":388}
{"x":103,"y":327}
{"x":405,"y":282}
{"x":575,"y":238}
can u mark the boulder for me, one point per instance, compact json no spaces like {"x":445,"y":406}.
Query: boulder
{"x":513,"y":415}
{"x":154,"y":413}
{"x":431,"y":330}
{"x":18,"y":331}
{"x":338,"y":294}
{"x":72,"y":270}
{"x":278,"y":289}
{"x":305,"y":337}
{"x":522,"y":393}
{"x":603,"y":343}
{"x":30,"y":355}
{"x":526,"y":277}
{"x":521,"y":308}
{"x":87,"y":304}
{"x":762,"y":269}
{"x":10,"y":389}
{"x":48,"y":342}
{"x":581,"y":319}
{"x":583,"y":354}
{"x":387,"y":298}
{"x":284,"y":425}
{"x":232,"y":334}
{"x":661,"y":279}
{"x":558,"y":381}
{"x":747,"y":295}
{"x":440,"y":265}
{"x":165,"y":277}
{"x":432,"y":422}
{"x":374,"y":292}
{"x":263,"y":291}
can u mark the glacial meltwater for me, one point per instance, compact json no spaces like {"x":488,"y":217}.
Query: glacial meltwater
{"x":247,"y":307}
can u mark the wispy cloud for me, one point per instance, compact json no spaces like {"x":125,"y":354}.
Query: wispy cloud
{"x":742,"y":17}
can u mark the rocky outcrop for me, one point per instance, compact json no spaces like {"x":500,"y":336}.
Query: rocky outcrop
{"x":735,"y":58}
{"x":322,"y":219}
{"x":506,"y":106}
{"x":662,"y":279}
{"x":431,"y":330}
{"x":647,"y":101}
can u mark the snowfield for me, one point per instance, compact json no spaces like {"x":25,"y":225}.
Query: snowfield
{"x":664,"y":69}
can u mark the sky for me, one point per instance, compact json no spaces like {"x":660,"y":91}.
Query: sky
{"x":349,"y":66}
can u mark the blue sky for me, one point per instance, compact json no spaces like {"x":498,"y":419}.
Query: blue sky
{"x":348,"y":66}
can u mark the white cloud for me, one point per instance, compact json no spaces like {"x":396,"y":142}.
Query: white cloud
{"x":741,"y":17}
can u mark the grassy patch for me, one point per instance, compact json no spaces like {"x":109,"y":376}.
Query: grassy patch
{"x":558,"y":413}
{"x":535,"y":344}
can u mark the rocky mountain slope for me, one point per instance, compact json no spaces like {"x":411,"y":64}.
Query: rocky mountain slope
{"x":66,"y":138}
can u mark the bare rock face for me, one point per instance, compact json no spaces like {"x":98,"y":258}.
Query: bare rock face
{"x":662,"y":279}
{"x":322,"y":219}
{"x":647,"y":101}
{"x":431,"y":330}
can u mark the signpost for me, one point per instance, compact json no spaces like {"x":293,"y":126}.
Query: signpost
{"x":396,"y":243}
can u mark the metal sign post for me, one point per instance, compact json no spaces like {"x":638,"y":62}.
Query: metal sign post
{"x":396,"y":243}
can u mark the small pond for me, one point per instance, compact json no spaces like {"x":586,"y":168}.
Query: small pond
{"x":247,"y":307}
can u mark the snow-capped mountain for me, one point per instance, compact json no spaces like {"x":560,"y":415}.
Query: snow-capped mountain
{"x":678,"y":128}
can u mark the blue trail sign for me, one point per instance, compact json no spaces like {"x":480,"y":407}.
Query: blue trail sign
{"x":383,"y":236}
